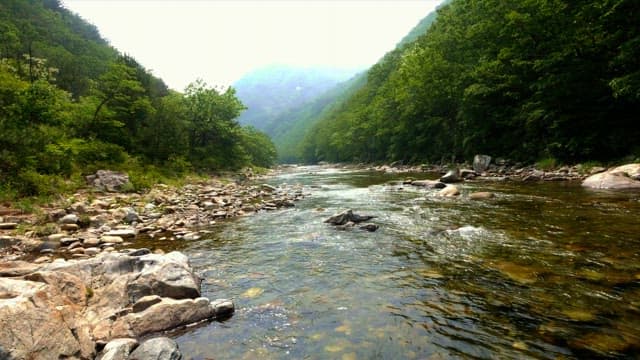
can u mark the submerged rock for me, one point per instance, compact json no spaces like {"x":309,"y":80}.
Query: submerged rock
{"x":481,"y":195}
{"x":348,"y":216}
{"x":449,"y":191}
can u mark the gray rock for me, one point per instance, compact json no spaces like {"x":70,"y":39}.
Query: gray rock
{"x":131,"y":216}
{"x":107,"y":180}
{"x":161,"y":348}
{"x":481,"y":163}
{"x":452,"y":176}
{"x":69,"y":219}
{"x":223,"y":307}
{"x":118,"y":349}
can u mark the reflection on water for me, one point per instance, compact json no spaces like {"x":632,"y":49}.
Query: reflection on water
{"x":540,"y":271}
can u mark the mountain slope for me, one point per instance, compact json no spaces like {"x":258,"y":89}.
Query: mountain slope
{"x":267,"y":92}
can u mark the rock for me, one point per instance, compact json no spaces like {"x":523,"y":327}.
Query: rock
{"x":92,"y":251}
{"x":130,"y":216}
{"x":481,"y":195}
{"x":347,"y":216}
{"x":92,"y":241}
{"x":166,"y":275}
{"x":618,"y":178}
{"x":8,"y":226}
{"x":42,"y":259}
{"x":107,"y":180}
{"x":449,"y":191}
{"x":369,"y":227}
{"x":223,"y":307}
{"x":535,"y":175}
{"x":481,"y":163}
{"x":145,"y":302}
{"x":109,"y":239}
{"x":66,"y":241}
{"x":44,"y":321}
{"x":468,"y":174}
{"x":123,"y":233}
{"x":70,"y":227}
{"x":165,"y":315}
{"x":69,"y":219}
{"x":452,"y":176}
{"x":431,"y":184}
{"x":17,"y":268}
{"x":267,"y":188}
{"x":78,"y":208}
{"x":118,"y":349}
{"x":161,"y":348}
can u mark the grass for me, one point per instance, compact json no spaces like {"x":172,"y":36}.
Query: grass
{"x":547,"y":164}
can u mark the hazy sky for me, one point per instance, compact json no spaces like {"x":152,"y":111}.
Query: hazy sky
{"x":219,"y":41}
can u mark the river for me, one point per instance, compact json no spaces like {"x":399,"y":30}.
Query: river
{"x":541,"y":271}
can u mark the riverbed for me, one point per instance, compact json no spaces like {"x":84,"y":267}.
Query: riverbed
{"x":542,"y":270}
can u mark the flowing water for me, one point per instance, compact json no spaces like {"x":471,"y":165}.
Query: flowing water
{"x":541,"y":271}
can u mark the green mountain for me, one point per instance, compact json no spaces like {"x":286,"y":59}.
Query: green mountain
{"x":71,"y":104}
{"x":291,"y":126}
{"x":525,"y":80}
{"x":268,"y":92}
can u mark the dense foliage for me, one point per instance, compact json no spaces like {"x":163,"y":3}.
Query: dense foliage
{"x":526,"y":79}
{"x":70,"y":104}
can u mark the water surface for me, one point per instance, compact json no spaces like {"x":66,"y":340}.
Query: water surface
{"x":541,"y":271}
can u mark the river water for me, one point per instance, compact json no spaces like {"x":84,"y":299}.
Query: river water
{"x":541,"y":271}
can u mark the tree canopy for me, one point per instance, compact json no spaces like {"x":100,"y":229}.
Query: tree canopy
{"x":524,"y":79}
{"x":70,"y":104}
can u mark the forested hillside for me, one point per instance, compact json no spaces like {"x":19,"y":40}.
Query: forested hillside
{"x":70,"y":104}
{"x":292,"y":126}
{"x":526,"y":80}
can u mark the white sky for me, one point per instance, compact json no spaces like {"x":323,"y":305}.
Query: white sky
{"x":219,"y":41}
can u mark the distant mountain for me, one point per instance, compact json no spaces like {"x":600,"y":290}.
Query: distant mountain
{"x":270,"y":91}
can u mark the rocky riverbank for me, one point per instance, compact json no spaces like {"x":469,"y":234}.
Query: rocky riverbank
{"x":92,"y":222}
{"x":74,"y":284}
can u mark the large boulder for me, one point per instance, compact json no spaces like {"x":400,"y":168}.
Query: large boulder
{"x":618,"y":178}
{"x":107,"y":180}
{"x":60,"y":310}
{"x":41,"y":318}
{"x":481,"y":163}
